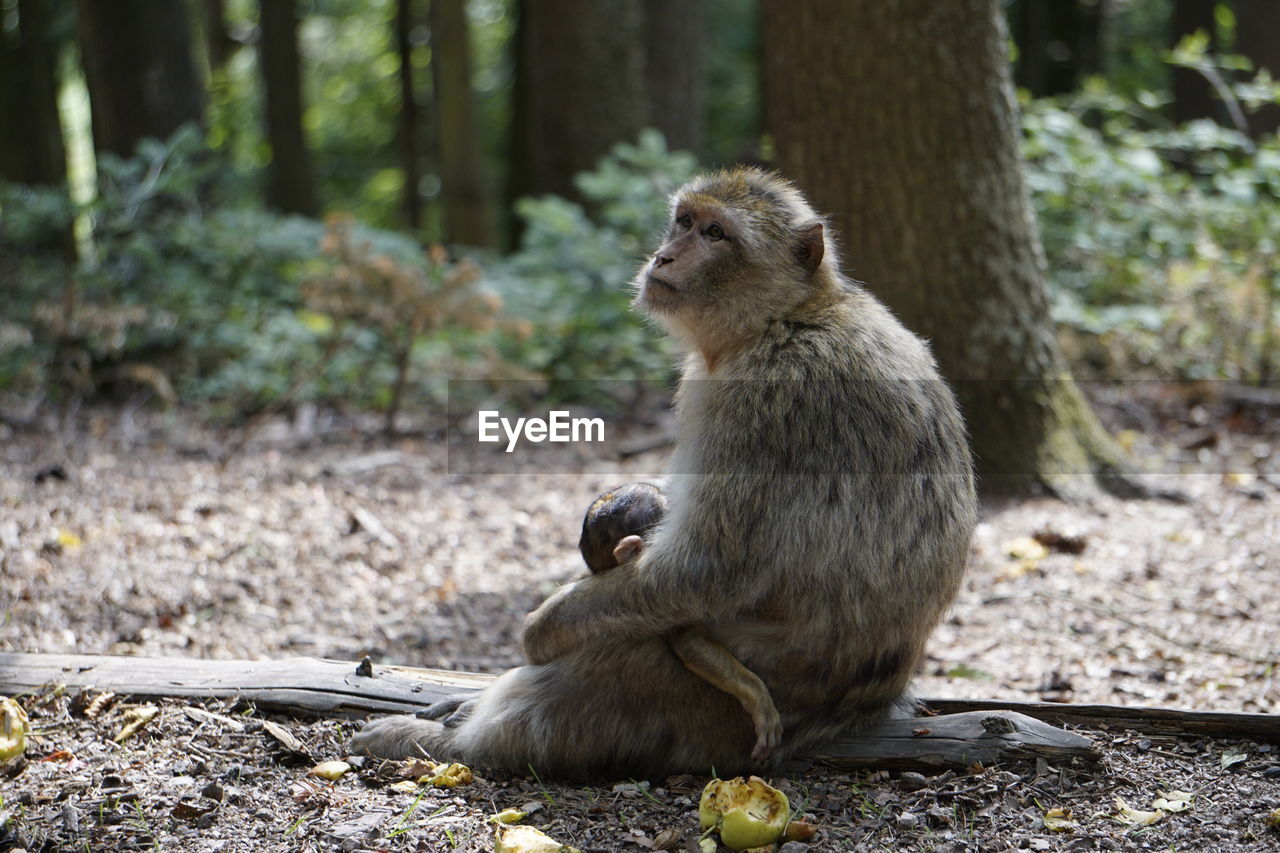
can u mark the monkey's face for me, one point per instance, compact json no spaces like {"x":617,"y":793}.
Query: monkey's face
{"x":724,"y":272}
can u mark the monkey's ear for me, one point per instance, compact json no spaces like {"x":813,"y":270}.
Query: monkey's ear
{"x":809,"y":247}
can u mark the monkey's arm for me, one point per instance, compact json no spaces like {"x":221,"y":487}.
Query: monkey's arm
{"x":631,"y":602}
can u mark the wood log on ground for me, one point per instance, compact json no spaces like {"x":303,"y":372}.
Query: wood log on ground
{"x":969,"y":730}
{"x":955,"y":741}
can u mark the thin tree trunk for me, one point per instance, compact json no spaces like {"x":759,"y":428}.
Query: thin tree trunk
{"x":1058,"y":43}
{"x":217,"y":42}
{"x":29,"y":100}
{"x":290,"y":187}
{"x":1258,"y":37}
{"x":675,"y":70}
{"x":580,"y":88}
{"x":137,"y":64}
{"x":466,"y":211}
{"x":410,"y":155}
{"x":899,"y":121}
{"x":1192,"y":93}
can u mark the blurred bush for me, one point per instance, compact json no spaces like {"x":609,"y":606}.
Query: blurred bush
{"x":214,"y":298}
{"x":571,"y":274}
{"x":1160,"y":240}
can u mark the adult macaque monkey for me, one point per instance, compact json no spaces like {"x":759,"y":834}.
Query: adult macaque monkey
{"x":820,"y":505}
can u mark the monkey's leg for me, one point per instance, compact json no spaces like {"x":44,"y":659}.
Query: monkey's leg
{"x":402,"y":736}
{"x":706,"y":658}
{"x":612,"y":712}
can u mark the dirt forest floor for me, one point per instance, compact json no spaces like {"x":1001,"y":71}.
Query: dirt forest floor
{"x":124,"y":536}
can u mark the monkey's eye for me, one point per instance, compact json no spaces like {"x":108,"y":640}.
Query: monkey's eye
{"x":714,"y":231}
{"x":684,"y":220}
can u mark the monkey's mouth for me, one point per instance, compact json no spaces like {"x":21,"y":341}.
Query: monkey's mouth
{"x":665,"y":285}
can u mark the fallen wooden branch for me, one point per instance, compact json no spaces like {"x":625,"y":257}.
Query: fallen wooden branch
{"x":956,"y":741}
{"x":971,"y":730}
{"x":1138,"y":718}
{"x":308,"y":686}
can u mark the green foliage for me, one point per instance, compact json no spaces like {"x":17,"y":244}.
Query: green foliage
{"x":212,"y":299}
{"x":733,"y":80}
{"x":573,"y":266}
{"x":1160,"y":240}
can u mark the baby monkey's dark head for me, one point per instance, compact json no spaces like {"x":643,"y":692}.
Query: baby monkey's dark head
{"x":617,"y":522}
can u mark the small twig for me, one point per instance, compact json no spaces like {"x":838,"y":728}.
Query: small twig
{"x":1229,"y":99}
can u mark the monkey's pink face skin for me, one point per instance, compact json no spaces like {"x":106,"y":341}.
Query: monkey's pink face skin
{"x":699,"y":249}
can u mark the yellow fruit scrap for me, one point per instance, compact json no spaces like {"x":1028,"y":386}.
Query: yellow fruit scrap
{"x":1173,"y":801}
{"x":134,"y":719}
{"x":1025,"y":548}
{"x":1134,"y":817}
{"x":14,"y":728}
{"x":507,"y":816}
{"x":69,"y":540}
{"x":746,"y":812}
{"x":1059,"y":820}
{"x":331,"y":771}
{"x":448,"y":776}
{"x":526,"y":839}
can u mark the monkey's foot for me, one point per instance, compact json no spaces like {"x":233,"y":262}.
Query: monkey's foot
{"x":400,"y":737}
{"x":768,"y":734}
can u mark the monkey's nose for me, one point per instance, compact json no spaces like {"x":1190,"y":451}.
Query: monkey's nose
{"x":661,"y":260}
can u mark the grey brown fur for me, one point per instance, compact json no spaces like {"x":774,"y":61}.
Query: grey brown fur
{"x":613,"y":532}
{"x":820,"y":509}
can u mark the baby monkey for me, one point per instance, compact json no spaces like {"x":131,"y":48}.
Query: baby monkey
{"x":613,"y":532}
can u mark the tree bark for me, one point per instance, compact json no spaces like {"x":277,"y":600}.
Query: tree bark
{"x":1192,"y":93}
{"x":1258,"y":37}
{"x":675,"y":39}
{"x":29,"y":100}
{"x":137,"y":64}
{"x":579,"y":89}
{"x":465,"y":197}
{"x":900,"y":122}
{"x":290,"y":187}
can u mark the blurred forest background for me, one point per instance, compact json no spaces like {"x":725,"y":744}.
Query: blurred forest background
{"x":239,"y":206}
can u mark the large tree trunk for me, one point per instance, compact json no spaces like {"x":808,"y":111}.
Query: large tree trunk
{"x":1258,"y":37}
{"x":289,"y":183}
{"x":29,"y":100}
{"x":899,"y":121}
{"x":137,"y":64}
{"x":675,"y":70}
{"x":466,"y":212}
{"x":579,"y":88}
{"x":1192,"y":93}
